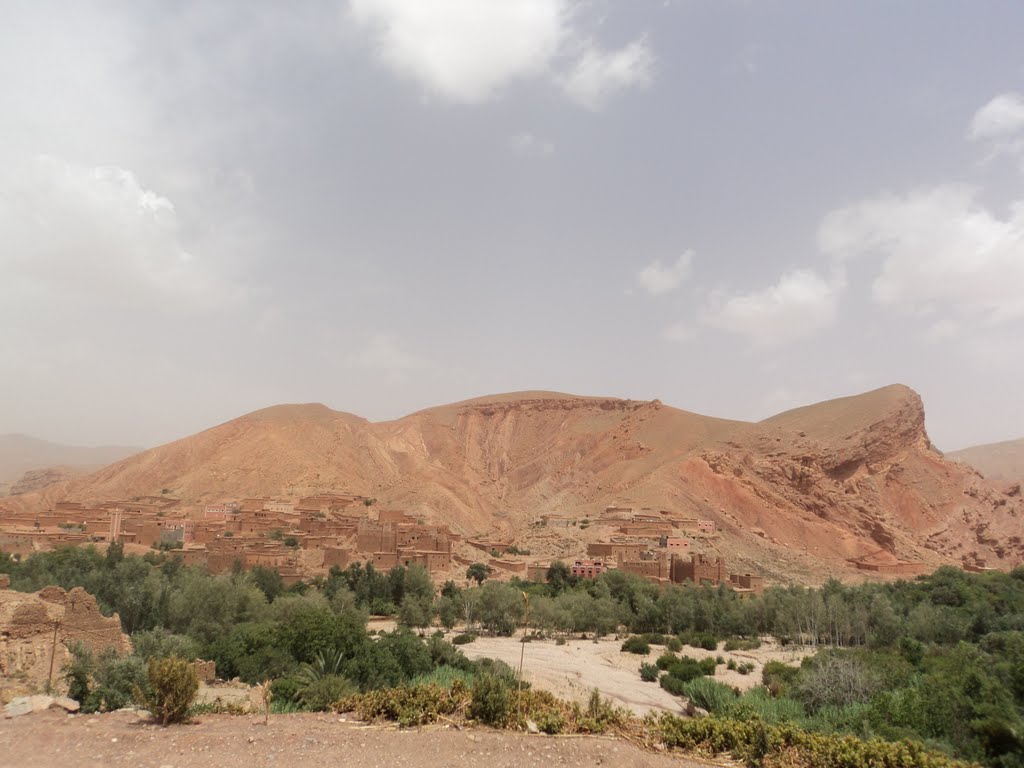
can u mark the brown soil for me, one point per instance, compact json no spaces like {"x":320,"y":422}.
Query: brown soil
{"x":296,"y":741}
{"x":797,"y":497}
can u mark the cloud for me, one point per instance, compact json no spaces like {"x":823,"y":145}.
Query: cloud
{"x":94,"y":235}
{"x":797,"y":307}
{"x":942,"y":252}
{"x":1001,"y":118}
{"x":598,"y":75}
{"x":530,"y":144}
{"x":658,"y":279}
{"x":467,"y":51}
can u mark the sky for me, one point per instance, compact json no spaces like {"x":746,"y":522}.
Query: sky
{"x":734,"y":206}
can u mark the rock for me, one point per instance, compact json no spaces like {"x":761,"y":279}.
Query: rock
{"x":699,"y":712}
{"x":532,"y":727}
{"x":68,"y":705}
{"x":19,"y":706}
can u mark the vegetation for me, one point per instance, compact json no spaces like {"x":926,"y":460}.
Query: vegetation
{"x":938,"y":660}
{"x":172,"y":689}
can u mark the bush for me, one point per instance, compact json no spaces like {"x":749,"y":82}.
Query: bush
{"x":637,"y":644}
{"x":745,"y":668}
{"x":755,"y":743}
{"x":172,"y":689}
{"x":648,"y":673}
{"x":709,"y":694}
{"x":708,"y":665}
{"x":778,"y":677}
{"x":285,"y":689}
{"x":408,"y":706}
{"x":322,"y":694}
{"x":463,"y":639}
{"x":742,"y":644}
{"x":674,"y":644}
{"x":490,"y":700}
{"x":686,"y":669}
{"x":666,"y":660}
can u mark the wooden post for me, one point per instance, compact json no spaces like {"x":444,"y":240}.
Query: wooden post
{"x":522,"y":650}
{"x":53,"y":654}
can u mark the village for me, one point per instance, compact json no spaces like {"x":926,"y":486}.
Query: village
{"x":305,"y":538}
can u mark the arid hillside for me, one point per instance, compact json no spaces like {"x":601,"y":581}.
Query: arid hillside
{"x":799,"y":496}
{"x":28,"y":463}
{"x":1003,"y":462}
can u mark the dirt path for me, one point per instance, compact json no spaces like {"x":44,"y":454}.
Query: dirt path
{"x":571,"y":671}
{"x":296,"y":741}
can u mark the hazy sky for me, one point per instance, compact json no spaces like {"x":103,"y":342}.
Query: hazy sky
{"x":736,"y":206}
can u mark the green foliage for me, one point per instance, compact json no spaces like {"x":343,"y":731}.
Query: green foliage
{"x":490,"y":700}
{"x":172,"y":689}
{"x":674,"y":644}
{"x":321,"y":694}
{"x":478,"y":572}
{"x":649,"y":673}
{"x":636,"y":644}
{"x":755,"y":743}
{"x":665,"y":660}
{"x":709,"y":694}
{"x":778,"y":677}
{"x":463,"y":639}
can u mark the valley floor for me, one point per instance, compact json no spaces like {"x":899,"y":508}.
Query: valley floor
{"x":296,"y":741}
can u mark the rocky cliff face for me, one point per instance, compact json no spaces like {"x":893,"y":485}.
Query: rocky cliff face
{"x":797,"y":496}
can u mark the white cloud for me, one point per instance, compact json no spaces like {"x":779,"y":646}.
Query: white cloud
{"x":466,"y":51}
{"x":529,"y":144}
{"x":942,"y":252}
{"x":77,"y":234}
{"x":658,"y":279}
{"x":598,"y":75}
{"x":1001,"y":118}
{"x":798,"y":306}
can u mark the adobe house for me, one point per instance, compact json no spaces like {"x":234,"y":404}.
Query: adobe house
{"x":588,"y":569}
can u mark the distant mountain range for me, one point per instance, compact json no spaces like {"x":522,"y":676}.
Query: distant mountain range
{"x":47,"y":462}
{"x":1003,"y":462}
{"x":799,"y":496}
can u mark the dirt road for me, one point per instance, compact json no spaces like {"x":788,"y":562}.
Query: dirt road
{"x":296,"y":741}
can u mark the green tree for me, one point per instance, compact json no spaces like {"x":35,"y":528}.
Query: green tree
{"x":478,"y":572}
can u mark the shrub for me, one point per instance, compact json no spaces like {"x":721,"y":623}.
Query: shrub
{"x":409,"y":705}
{"x":559,"y":641}
{"x":655,"y":638}
{"x":648,"y":673}
{"x":637,"y":644}
{"x":731,"y":666}
{"x":778,"y":677}
{"x":490,"y":700}
{"x":674,"y":644}
{"x":172,"y":689}
{"x":707,"y":666}
{"x":321,"y":694}
{"x":463,"y":639}
{"x":742,"y":644}
{"x":707,"y":641}
{"x":745,"y":668}
{"x":666,"y":660}
{"x":755,"y":743}
{"x":686,"y":669}
{"x":709,"y":694}
{"x":285,"y":689}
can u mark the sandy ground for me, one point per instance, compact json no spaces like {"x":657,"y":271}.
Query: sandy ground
{"x":296,"y":741}
{"x":573,"y":670}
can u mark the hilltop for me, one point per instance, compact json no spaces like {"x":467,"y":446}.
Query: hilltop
{"x":799,"y":496}
{"x":28,"y":463}
{"x":1003,"y":461}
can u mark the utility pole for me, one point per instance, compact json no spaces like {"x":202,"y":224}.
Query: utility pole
{"x":53,"y":654}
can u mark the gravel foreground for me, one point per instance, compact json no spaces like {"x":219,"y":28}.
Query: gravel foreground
{"x":296,"y":741}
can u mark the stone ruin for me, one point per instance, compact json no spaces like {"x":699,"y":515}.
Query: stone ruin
{"x":30,"y":621}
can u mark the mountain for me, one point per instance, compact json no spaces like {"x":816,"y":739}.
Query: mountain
{"x":28,"y":463}
{"x":798,"y":496}
{"x":1003,"y":462}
